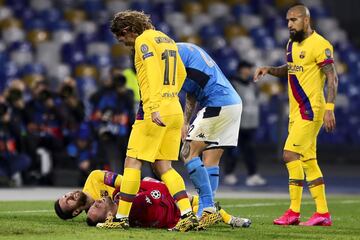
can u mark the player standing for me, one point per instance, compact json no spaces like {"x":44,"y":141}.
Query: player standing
{"x":216,"y":125}
{"x":309,"y":61}
{"x":155,"y":135}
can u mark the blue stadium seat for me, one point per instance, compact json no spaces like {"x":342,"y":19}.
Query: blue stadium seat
{"x":73,"y":54}
{"x":100,"y":61}
{"x":33,"y":68}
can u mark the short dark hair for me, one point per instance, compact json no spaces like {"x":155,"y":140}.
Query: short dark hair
{"x":90,"y":222}
{"x":62,"y":214}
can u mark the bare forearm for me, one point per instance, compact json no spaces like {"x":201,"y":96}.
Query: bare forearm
{"x":189,"y":108}
{"x":280,"y":71}
{"x":332,"y":82}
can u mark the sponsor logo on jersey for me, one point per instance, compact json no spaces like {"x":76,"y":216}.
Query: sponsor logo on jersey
{"x":292,"y":68}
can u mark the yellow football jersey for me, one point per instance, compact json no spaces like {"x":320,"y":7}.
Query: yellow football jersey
{"x":305,"y":78}
{"x":101,"y":183}
{"x":160,"y":74}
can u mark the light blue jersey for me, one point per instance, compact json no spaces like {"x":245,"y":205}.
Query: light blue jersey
{"x":204,"y":80}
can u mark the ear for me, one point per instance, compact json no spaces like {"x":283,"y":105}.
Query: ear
{"x":306,"y":20}
{"x":76,"y":212}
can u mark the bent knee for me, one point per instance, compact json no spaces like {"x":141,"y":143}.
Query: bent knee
{"x":289,"y":156}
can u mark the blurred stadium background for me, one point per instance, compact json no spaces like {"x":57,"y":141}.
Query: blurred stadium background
{"x":63,"y":49}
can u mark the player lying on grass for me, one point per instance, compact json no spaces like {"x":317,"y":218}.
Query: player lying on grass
{"x":152,"y":195}
{"x":153,"y":207}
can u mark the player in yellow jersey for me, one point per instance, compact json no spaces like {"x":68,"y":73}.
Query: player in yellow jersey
{"x":156,"y":133}
{"x":98,"y":184}
{"x":309,"y":63}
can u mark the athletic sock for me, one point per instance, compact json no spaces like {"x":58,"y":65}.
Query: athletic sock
{"x":176,"y":186}
{"x":129,"y":188}
{"x":316,"y":185}
{"x":296,"y":178}
{"x":200,"y":179}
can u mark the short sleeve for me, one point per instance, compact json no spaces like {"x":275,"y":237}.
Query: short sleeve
{"x":324,"y":54}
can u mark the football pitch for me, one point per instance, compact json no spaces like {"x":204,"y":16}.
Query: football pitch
{"x":36,"y":220}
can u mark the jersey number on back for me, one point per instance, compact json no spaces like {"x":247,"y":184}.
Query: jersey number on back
{"x":166,"y":55}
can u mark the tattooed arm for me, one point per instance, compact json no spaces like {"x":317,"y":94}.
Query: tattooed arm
{"x":332,"y":85}
{"x":280,"y":71}
{"x":189,"y":109}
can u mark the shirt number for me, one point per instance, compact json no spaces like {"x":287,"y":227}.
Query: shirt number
{"x":166,"y":55}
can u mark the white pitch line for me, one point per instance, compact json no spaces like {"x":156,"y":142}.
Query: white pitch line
{"x":225,"y":206}
{"x":275,"y":204}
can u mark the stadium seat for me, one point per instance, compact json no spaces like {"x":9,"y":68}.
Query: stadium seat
{"x":37,"y":36}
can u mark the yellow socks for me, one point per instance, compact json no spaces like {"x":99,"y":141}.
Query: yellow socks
{"x":129,"y":188}
{"x":176,"y":186}
{"x":296,"y":178}
{"x":225,"y":216}
{"x":316,"y":185}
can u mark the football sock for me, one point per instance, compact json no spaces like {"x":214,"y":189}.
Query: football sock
{"x":225,"y":216}
{"x":200,"y":179}
{"x":213,"y":173}
{"x":195,"y":204}
{"x":296,"y":178}
{"x":176,"y":186}
{"x":316,"y":185}
{"x":129,"y":187}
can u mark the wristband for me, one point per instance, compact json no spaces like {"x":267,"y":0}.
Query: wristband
{"x":330,"y":106}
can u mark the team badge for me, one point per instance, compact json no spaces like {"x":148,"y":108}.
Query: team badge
{"x":302,"y":54}
{"x":328,"y":53}
{"x":155,"y":194}
{"x":104,"y":193}
{"x":144,"y":48}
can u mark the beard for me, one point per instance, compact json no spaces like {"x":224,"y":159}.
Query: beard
{"x":297,"y":36}
{"x":82,"y":199}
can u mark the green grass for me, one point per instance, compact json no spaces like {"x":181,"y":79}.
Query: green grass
{"x":36,"y":220}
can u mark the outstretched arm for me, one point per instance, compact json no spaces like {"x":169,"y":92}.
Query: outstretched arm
{"x":332,"y":85}
{"x":280,"y":71}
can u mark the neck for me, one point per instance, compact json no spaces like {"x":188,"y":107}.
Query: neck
{"x":89,"y":201}
{"x":308,"y":32}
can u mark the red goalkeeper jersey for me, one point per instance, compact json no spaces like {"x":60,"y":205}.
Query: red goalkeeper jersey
{"x":153,"y":206}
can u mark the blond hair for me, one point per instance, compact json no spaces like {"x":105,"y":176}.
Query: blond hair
{"x":134,"y":21}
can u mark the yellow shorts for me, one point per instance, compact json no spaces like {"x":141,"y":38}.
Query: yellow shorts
{"x":151,"y":142}
{"x":302,"y":138}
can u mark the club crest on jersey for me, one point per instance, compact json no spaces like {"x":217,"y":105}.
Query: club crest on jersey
{"x":104,"y":193}
{"x":302,"y":54}
{"x":155,"y":194}
{"x":328,"y":53}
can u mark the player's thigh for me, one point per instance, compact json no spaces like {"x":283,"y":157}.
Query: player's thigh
{"x":302,"y":136}
{"x":226,"y":127}
{"x":311,"y":152}
{"x":170,"y":144}
{"x":145,"y":140}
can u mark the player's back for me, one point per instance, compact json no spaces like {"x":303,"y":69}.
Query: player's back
{"x":205,"y":80}
{"x":154,"y":206}
{"x":160,"y":73}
